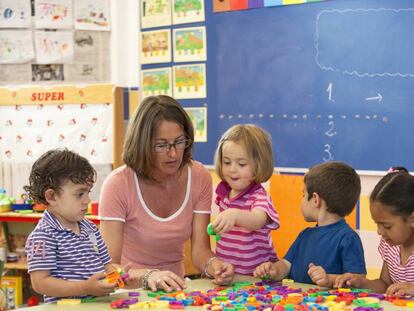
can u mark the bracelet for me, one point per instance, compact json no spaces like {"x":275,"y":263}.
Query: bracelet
{"x":208,"y":263}
{"x":145,"y":278}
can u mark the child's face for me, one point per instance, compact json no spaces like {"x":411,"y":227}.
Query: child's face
{"x":308,"y":209}
{"x":237,"y":166}
{"x":396,"y":230}
{"x":70,"y":204}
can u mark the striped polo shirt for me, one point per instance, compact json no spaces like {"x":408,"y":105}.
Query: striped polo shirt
{"x":391,"y":254}
{"x":65,"y":254}
{"x":243,"y":248}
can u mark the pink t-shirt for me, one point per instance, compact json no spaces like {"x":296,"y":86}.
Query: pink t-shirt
{"x":243,"y":248}
{"x":391,"y":254}
{"x":150,"y":241}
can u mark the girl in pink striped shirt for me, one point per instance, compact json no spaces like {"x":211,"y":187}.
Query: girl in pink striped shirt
{"x":392,"y":208}
{"x":246,"y":217}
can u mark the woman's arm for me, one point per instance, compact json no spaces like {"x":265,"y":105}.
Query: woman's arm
{"x":113,"y":234}
{"x":201,"y":253}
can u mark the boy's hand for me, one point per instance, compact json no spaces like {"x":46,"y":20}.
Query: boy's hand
{"x":318,"y":275}
{"x":349,"y":280}
{"x":266,"y":269}
{"x":400,"y":289}
{"x":223,"y":272}
{"x":96,"y":286}
{"x":225,"y":221}
{"x":134,"y":280}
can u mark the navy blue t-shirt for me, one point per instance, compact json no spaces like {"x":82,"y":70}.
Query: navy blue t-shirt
{"x":335,"y":247}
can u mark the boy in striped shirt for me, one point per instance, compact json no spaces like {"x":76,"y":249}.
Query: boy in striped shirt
{"x":66,"y":254}
{"x":322,"y":253}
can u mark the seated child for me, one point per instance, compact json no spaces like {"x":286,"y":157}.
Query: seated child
{"x":392,"y":208}
{"x":66,"y":254}
{"x":331,"y":248}
{"x":246,"y":216}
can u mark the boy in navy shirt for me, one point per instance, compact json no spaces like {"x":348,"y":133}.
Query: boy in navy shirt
{"x":66,"y":254}
{"x":321,"y":253}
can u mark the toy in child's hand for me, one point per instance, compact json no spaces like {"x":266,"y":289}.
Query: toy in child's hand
{"x":211,"y":231}
{"x":117,"y":276}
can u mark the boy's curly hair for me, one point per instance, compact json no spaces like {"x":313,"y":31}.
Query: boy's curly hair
{"x":53,"y":169}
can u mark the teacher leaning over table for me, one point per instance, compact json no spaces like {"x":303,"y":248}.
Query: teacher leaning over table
{"x":159,"y":199}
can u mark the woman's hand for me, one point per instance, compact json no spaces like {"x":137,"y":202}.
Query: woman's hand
{"x":223,"y":272}
{"x":166,"y":281}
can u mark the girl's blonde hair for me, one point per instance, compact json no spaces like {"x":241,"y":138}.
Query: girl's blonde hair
{"x":139,"y":139}
{"x":258,"y":146}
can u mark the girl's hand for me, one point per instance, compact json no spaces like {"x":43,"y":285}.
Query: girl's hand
{"x":225,"y":221}
{"x":349,"y":280}
{"x":166,"y":281}
{"x":318,"y":275}
{"x":400,"y":289}
{"x":266,"y":269}
{"x":223,"y":272}
{"x":96,"y":286}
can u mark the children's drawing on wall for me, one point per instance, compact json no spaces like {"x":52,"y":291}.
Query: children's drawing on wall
{"x":47,"y":72}
{"x":190,"y":81}
{"x":198,"y":116}
{"x":155,"y":13}
{"x":188,"y":11}
{"x":29,"y":130}
{"x":156,"y":82}
{"x":15,"y":14}
{"x":190,"y":44}
{"x":16,"y":46}
{"x":92,"y":14}
{"x":155,"y":46}
{"x":55,"y":14}
{"x":54,"y":47}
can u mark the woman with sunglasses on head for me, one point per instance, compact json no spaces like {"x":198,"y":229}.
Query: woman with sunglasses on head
{"x":159,"y":199}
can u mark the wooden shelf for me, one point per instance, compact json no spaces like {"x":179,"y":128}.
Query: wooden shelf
{"x":33,"y":217}
{"x":16,"y":265}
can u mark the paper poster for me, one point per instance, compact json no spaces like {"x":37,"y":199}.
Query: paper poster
{"x":92,"y":14}
{"x":156,"y":46}
{"x":198,"y":116}
{"x":188,"y":11}
{"x":54,"y":14}
{"x":190,"y":44}
{"x":83,"y":72}
{"x":47,"y":72}
{"x":15,"y":14}
{"x":155,"y":13}
{"x":16,"y":46}
{"x":92,"y":47}
{"x":15,"y":74}
{"x":156,"y":82}
{"x":190,"y":81}
{"x":27,"y":131}
{"x":54,"y":47}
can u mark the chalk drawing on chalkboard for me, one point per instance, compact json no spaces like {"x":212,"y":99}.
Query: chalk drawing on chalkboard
{"x":189,"y":81}
{"x":388,"y":52}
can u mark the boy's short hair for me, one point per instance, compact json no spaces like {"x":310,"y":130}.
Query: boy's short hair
{"x":139,"y":139}
{"x":258,"y":146}
{"x":54,"y":168}
{"x":337,"y":183}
